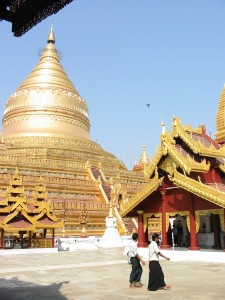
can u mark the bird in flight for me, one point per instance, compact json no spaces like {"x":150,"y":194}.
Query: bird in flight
{"x":148,"y":105}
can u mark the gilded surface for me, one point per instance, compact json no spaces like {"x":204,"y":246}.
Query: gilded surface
{"x":185,"y":163}
{"x":128,"y":204}
{"x":206,"y":192}
{"x":220,"y":121}
{"x":149,"y":170}
{"x":47,"y":101}
{"x":199,"y":213}
{"x":181,"y":213}
{"x":149,"y":215}
{"x":196,"y":146}
{"x":17,"y":206}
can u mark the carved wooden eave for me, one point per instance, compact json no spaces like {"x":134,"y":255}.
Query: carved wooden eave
{"x":49,"y":226}
{"x":15,"y":213}
{"x":39,"y":191}
{"x":42,"y":206}
{"x":16,"y":190}
{"x":149,"y":170}
{"x":4,"y":202}
{"x":128,"y":204}
{"x":16,"y":199}
{"x":6,"y":209}
{"x":187,"y":164}
{"x":198,"y":188}
{"x":185,"y":133}
{"x":11,"y":229}
{"x":47,"y":213}
{"x":18,"y":205}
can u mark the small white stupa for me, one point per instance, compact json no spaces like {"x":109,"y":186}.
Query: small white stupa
{"x":111,"y":237}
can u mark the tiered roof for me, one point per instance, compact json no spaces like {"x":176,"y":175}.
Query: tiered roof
{"x":185,"y":157}
{"x":17,"y":213}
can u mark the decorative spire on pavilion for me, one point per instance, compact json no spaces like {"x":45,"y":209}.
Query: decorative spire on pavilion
{"x":40,"y":193}
{"x":144,"y":157}
{"x":15,"y":189}
{"x":144,"y":161}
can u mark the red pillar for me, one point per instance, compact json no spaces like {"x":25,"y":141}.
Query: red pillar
{"x":141,"y":235}
{"x":223,"y":246}
{"x":53,"y":237}
{"x":164,"y":244}
{"x":193,"y":233}
{"x":2,"y":238}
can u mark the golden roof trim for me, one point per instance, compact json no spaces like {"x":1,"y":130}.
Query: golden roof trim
{"x":149,"y":170}
{"x":128,"y":204}
{"x":196,"y":146}
{"x":187,"y":164}
{"x":198,"y":188}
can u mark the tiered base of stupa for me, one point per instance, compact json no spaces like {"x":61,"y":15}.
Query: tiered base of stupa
{"x":111,"y":237}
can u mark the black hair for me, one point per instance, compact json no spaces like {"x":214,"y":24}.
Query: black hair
{"x":134,"y":236}
{"x":155,"y":236}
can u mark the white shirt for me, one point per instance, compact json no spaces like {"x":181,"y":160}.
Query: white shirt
{"x":133,"y":249}
{"x":153,"y":251}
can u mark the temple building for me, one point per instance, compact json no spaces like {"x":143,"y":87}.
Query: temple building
{"x":46,"y":133}
{"x":185,"y":190}
{"x":46,"y":148}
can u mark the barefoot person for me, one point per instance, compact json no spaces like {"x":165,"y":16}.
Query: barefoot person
{"x":156,"y":276}
{"x":136,"y":271}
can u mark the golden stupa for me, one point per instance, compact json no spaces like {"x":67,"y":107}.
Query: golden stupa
{"x":45,"y":132}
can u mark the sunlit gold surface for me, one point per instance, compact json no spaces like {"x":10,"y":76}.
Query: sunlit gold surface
{"x":47,"y":103}
{"x":220,"y":118}
{"x":46,"y":132}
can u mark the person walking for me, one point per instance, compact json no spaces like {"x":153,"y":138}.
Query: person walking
{"x":156,"y":276}
{"x":136,"y":260}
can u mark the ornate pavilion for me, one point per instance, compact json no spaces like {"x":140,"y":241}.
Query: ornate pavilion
{"x":32,"y":217}
{"x":45,"y":133}
{"x":185,"y":188}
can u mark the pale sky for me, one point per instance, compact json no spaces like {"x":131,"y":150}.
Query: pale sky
{"x":123,"y":54}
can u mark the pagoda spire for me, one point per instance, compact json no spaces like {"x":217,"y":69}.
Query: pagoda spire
{"x":51,"y":36}
{"x":47,"y":100}
{"x":144,"y":157}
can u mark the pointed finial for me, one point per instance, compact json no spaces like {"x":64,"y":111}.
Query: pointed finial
{"x":163,"y":128}
{"x":144,"y":157}
{"x":51,"y":37}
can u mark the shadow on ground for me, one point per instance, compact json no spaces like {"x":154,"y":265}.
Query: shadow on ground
{"x":15,"y":289}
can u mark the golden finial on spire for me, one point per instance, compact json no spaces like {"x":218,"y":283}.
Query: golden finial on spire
{"x":51,"y":36}
{"x":163,"y":128}
{"x":144,"y":157}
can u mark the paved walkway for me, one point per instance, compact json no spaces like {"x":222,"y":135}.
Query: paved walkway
{"x":103,"y":274}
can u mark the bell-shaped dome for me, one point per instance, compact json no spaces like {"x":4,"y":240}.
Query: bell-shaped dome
{"x":47,"y":103}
